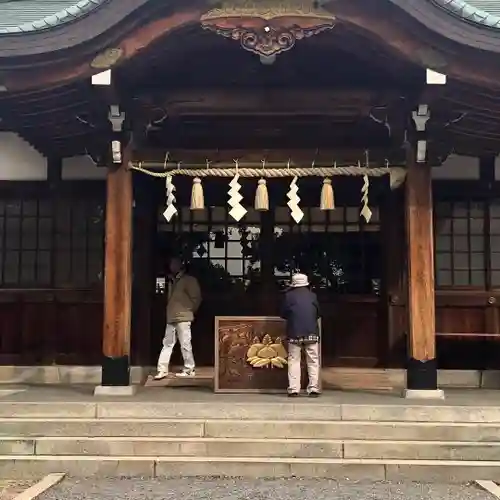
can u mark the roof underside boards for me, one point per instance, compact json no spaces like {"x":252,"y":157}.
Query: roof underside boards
{"x":20,"y":16}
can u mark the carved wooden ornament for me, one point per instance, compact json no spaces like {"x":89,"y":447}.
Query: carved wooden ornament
{"x":268,"y":27}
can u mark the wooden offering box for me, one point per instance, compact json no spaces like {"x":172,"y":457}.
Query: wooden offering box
{"x":238,"y":339}
{"x":251,"y":354}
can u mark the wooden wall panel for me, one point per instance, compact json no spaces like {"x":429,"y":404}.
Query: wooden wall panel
{"x":79,"y":331}
{"x":351,"y":332}
{"x":46,"y":327}
{"x":351,"y":327}
{"x":461,"y":319}
{"x":467,"y":329}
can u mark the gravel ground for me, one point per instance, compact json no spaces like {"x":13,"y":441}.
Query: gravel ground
{"x":9,"y":489}
{"x":233,"y":489}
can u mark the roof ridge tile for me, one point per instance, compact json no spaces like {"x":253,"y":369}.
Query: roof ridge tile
{"x":472,"y":12}
{"x":32,"y":15}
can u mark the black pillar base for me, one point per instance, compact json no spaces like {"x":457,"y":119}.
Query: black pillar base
{"x":421,"y":375}
{"x":115,"y":371}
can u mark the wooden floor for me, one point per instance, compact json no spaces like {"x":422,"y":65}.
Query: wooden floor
{"x":332,"y":378}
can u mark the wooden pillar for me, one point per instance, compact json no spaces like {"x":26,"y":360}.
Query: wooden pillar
{"x":118,"y":277}
{"x":394,"y":284}
{"x":422,"y":365}
{"x":144,"y":228}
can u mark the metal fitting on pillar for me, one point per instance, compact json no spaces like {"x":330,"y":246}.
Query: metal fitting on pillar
{"x":420,"y":118}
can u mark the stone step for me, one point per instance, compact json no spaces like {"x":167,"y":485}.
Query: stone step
{"x":304,"y":409}
{"x":251,"y":429}
{"x":187,"y":447}
{"x":244,"y":447}
{"x":353,"y":469}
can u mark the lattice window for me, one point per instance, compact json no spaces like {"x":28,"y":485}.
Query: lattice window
{"x":79,"y":243}
{"x":494,"y":232}
{"x":335,"y":248}
{"x":26,"y":243}
{"x":460,"y":244}
{"x":220,"y":250}
{"x":46,"y":243}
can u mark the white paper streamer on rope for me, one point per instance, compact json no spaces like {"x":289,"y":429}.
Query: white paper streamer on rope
{"x":171,"y":210}
{"x":294,"y":200}
{"x":365,"y":209}
{"x":237,"y":211}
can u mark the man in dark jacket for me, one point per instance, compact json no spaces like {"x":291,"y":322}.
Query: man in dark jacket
{"x":301,"y":311}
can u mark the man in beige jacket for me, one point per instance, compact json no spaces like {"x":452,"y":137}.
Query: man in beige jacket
{"x":183,"y":300}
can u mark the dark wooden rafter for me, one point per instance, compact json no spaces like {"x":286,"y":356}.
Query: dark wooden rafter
{"x":264,"y":102}
{"x":56,"y":118}
{"x":404,"y":37}
{"x":80,"y":67}
{"x":117,"y":17}
{"x":417,"y":43}
{"x":296,"y":157}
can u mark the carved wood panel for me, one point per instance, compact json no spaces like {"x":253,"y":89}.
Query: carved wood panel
{"x":251,"y":354}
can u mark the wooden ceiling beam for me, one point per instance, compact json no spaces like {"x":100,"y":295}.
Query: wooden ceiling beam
{"x":142,"y":35}
{"x":297,"y":157}
{"x":265,"y":102}
{"x":390,"y":32}
{"x":418,"y":45}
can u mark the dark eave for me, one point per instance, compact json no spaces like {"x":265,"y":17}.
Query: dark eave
{"x":83,"y":29}
{"x":434,"y":16}
{"x":440,"y":16}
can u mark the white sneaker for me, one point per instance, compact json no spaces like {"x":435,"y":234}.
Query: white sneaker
{"x":160,"y":376}
{"x":186,"y":373}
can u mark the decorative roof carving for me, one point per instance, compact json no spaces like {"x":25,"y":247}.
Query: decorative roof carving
{"x":268,"y":28}
{"x":25,"y":16}
{"x":106,"y":59}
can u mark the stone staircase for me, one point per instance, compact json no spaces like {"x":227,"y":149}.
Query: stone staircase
{"x":276,"y":438}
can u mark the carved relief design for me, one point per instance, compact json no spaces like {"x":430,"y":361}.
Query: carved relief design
{"x":267,"y":353}
{"x":106,"y":59}
{"x":268,"y":10}
{"x":239,"y":339}
{"x":268,"y":28}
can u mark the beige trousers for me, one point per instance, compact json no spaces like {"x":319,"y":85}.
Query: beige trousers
{"x":294,"y":368}
{"x":174,"y":331}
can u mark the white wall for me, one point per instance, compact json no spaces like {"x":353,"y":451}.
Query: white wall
{"x":81,"y":167}
{"x":19,"y":161}
{"x":457,"y":167}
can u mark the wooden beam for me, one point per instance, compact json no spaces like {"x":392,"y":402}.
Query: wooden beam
{"x":70,"y":70}
{"x":403,"y":39}
{"x":269,"y":101}
{"x":118,"y":275}
{"x":422,"y":366}
{"x":155,"y":157}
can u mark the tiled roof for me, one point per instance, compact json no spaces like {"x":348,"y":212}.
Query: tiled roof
{"x":485,"y":12}
{"x":19,"y":16}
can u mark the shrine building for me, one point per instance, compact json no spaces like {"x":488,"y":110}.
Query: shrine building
{"x":353,"y":140}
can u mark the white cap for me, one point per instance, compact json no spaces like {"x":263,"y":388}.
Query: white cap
{"x":299,"y":280}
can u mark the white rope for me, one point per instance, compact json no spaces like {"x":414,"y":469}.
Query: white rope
{"x":275,"y":172}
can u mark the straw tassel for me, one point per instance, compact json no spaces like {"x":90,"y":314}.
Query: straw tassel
{"x":262,"y":196}
{"x":197,"y":198}
{"x":327,"y":197}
